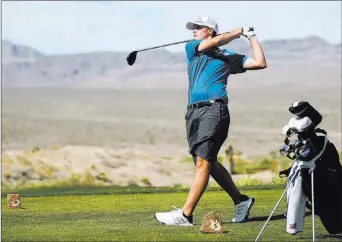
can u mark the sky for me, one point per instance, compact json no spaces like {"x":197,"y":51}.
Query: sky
{"x":68,"y":27}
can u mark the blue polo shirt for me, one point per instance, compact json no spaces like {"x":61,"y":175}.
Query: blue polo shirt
{"x":208,"y":72}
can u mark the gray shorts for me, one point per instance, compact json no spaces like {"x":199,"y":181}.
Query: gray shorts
{"x":207,"y":129}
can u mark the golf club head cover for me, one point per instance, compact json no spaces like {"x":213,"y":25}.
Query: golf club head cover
{"x":304,"y":109}
{"x":298,"y":124}
{"x":289,"y":131}
{"x":286,"y":130}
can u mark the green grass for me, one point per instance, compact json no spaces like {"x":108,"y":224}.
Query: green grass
{"x":46,"y":190}
{"x":129,"y":217}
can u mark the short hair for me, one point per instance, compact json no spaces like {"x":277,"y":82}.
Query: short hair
{"x":214,"y":34}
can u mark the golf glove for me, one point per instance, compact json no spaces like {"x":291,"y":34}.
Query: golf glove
{"x":247,"y":33}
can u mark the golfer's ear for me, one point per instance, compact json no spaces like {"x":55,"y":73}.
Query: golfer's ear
{"x":211,"y":31}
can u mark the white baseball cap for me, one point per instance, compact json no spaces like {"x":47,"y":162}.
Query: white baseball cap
{"x":204,"y":21}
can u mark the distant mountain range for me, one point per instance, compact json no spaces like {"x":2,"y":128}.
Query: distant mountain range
{"x":25,"y":66}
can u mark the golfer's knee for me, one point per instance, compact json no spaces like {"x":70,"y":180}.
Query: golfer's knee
{"x":202,"y":164}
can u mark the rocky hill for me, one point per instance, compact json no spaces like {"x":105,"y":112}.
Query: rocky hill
{"x":25,"y":66}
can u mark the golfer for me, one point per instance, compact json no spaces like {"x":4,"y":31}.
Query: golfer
{"x":207,"y":117}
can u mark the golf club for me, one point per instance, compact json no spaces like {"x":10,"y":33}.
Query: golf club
{"x":133,"y":55}
{"x":313,"y":205}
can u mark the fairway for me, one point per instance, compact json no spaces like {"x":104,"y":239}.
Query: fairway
{"x":129,"y":217}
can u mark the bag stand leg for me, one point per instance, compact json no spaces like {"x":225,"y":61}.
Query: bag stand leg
{"x":275,"y":207}
{"x":313,"y":205}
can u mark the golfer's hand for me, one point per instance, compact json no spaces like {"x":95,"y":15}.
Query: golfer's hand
{"x":247,"y":33}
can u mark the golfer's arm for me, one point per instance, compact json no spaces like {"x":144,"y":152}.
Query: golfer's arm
{"x":258,"y":61}
{"x":218,"y":40}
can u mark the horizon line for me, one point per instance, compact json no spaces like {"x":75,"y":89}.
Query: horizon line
{"x":178,"y":52}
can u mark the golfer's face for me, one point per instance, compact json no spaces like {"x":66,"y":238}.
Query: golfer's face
{"x":200,"y":32}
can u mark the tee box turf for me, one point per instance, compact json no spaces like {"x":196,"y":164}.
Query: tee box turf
{"x":13,"y":201}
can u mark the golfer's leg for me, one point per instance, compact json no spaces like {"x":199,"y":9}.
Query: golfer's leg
{"x":198,"y":185}
{"x":219,"y":172}
{"x":224,"y":179}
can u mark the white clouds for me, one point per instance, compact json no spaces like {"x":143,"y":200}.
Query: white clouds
{"x":65,"y":27}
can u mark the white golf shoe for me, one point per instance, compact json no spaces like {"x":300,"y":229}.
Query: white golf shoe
{"x":241,"y":210}
{"x":174,"y":217}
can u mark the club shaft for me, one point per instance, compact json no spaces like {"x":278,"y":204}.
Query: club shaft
{"x":174,"y":43}
{"x":313,"y":205}
{"x":184,"y":41}
{"x":287,"y":187}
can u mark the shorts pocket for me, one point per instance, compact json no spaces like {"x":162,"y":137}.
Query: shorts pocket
{"x":187,"y":114}
{"x":224,"y":113}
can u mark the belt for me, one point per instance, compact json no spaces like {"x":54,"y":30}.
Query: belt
{"x":207,"y":103}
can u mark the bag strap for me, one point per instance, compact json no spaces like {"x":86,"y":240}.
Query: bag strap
{"x":285,"y":173}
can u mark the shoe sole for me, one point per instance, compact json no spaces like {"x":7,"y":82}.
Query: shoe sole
{"x":158,"y":220}
{"x":171,"y":224}
{"x":247,"y":215}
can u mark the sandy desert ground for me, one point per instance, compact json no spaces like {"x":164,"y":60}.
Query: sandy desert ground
{"x":134,"y":134}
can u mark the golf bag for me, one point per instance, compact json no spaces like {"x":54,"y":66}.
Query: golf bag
{"x":316,"y":163}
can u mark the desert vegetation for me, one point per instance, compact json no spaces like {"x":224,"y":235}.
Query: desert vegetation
{"x":67,"y":137}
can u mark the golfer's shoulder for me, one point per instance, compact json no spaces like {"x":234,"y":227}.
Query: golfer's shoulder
{"x":192,"y":44}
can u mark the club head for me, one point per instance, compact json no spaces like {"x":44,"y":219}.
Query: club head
{"x":283,"y":150}
{"x":131,"y":57}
